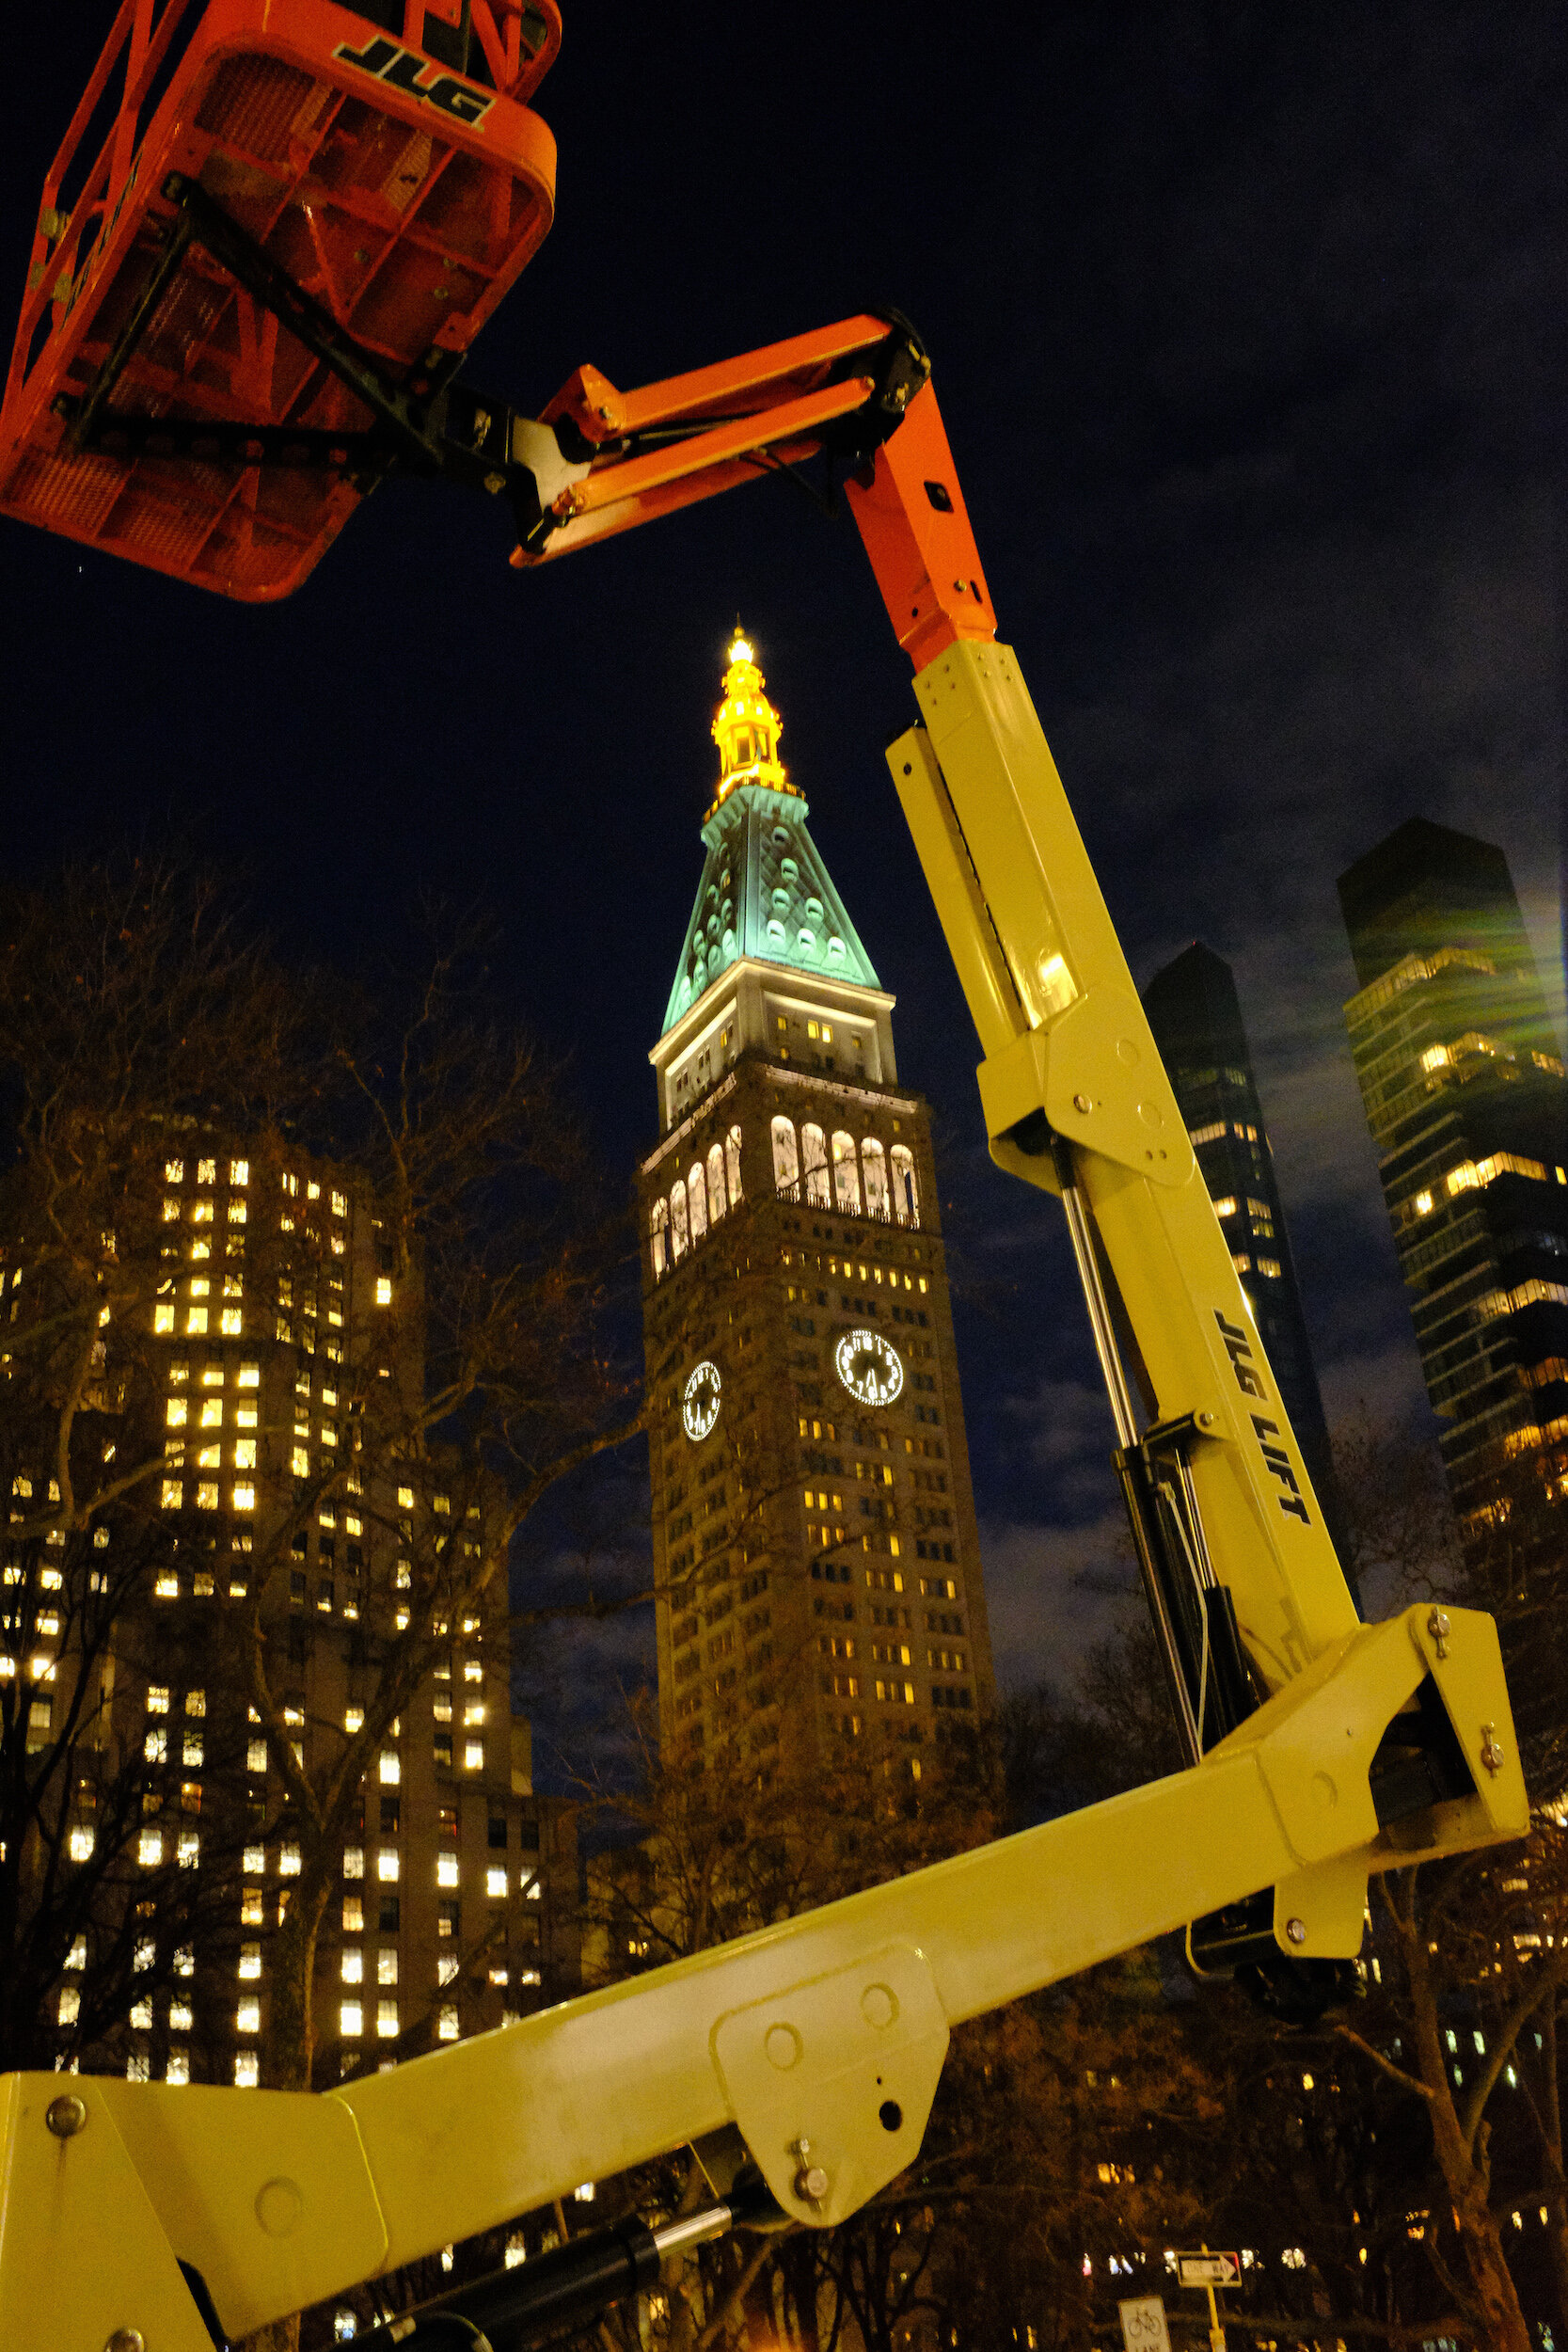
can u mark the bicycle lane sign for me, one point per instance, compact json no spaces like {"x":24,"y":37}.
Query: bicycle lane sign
{"x":1142,"y":2325}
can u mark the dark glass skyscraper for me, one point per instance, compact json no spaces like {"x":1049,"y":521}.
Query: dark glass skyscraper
{"x":1462,"y":1083}
{"x":1196,"y":1019}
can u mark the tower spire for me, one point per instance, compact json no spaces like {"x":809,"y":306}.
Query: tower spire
{"x":746,"y":727}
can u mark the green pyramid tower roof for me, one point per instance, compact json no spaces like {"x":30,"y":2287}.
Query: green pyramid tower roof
{"x":765,"y":894}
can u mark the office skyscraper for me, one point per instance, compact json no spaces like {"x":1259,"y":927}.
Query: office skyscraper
{"x":276,"y":1314}
{"x":1463,"y":1082}
{"x":1195,"y":1016}
{"x":814,"y":1543}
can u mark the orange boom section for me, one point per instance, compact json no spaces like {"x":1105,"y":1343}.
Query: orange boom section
{"x":270,"y":223}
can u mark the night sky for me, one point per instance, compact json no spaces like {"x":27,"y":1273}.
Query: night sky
{"x":1248,"y":331}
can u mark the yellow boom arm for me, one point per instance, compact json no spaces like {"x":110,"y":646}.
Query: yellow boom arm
{"x":1319,"y":1748}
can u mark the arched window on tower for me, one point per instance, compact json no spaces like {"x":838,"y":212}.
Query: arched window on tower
{"x":697,"y":1191}
{"x":847,"y":1174}
{"x":731,"y":1161}
{"x":813,"y":1152}
{"x":717,"y":1200}
{"x":660,"y":1223}
{"x":787,"y":1164}
{"x":905,"y":1195}
{"x":678,"y":1221}
{"x":874,"y":1166}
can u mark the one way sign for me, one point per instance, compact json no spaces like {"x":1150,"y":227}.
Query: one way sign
{"x":1209,"y":2270}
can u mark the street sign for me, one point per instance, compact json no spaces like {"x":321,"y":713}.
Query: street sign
{"x":1209,"y":2270}
{"x":1142,"y":2325}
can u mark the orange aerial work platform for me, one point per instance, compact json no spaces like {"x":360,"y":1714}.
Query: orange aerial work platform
{"x":272,"y":232}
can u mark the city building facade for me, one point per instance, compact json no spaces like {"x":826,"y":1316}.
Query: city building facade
{"x":1462,"y":1078}
{"x":815,"y":1544}
{"x":280,"y":1519}
{"x":1195,"y":1016}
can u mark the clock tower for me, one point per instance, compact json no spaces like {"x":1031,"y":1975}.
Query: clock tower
{"x":814,"y":1547}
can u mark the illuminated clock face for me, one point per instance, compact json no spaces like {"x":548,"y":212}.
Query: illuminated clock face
{"x":700,"y":1401}
{"x":869,"y":1368}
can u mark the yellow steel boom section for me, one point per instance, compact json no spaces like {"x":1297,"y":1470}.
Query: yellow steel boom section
{"x":828,"y":2030}
{"x":1321,"y":1749}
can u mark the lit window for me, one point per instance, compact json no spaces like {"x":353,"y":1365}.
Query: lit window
{"x":178,"y":2068}
{"x":250,"y":1961}
{"x":255,"y":1863}
{"x":141,"y":2016}
{"x":184,"y":1961}
{"x":154,"y":1747}
{"x":386,"y":1865}
{"x":80,"y":1848}
{"x":354,"y":1719}
{"x":196,"y":1322}
{"x":352,"y":1966}
{"x":248,"y":2017}
{"x":71,"y":2006}
{"x":244,"y":1497}
{"x":248,"y":1376}
{"x":1225,"y":1207}
{"x":247,"y":2070}
{"x":206,"y":1171}
{"x":176,"y":1412}
{"x":383,"y":1290}
{"x":495,"y":1883}
{"x":406,"y":1497}
{"x":231,"y":1323}
{"x":77,"y":1956}
{"x":149,"y":1848}
{"x":288,"y":1860}
{"x":299,"y":1462}
{"x":447,"y":2027}
{"x":162,"y":1318}
{"x":389,"y":1769}
{"x":386,"y":2020}
{"x":174,"y":1171}
{"x":207,"y":1495}
{"x":239,"y":1171}
{"x":386,"y":1967}
{"x":190,"y":1849}
{"x":473,"y":1670}
{"x":351,"y":2020}
{"x":446,"y":1870}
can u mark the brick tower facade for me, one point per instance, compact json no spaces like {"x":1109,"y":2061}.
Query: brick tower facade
{"x":815,"y":1541}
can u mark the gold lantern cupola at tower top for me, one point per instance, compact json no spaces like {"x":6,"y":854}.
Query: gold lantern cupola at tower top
{"x":747,"y":728}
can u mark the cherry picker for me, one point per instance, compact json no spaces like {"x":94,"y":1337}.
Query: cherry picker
{"x":272,"y":233}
